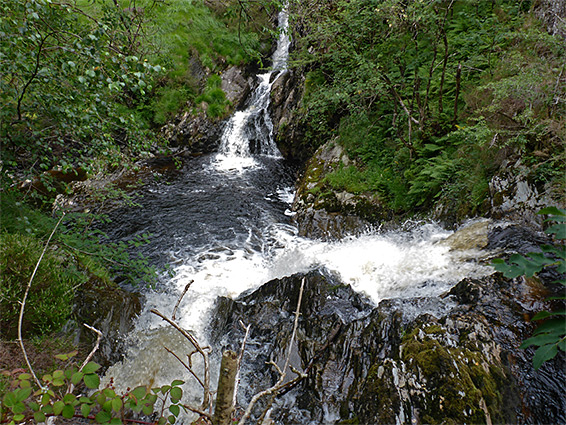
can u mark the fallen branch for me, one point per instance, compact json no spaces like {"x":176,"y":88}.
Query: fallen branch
{"x":90,"y":355}
{"x":240,"y":357}
{"x":282,"y":373}
{"x":23,"y":305}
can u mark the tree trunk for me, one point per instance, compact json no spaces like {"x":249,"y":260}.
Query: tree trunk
{"x":225,"y":394}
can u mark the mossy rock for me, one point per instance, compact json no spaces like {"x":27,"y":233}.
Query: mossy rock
{"x":467,"y":389}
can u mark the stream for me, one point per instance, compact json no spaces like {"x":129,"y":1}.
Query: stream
{"x":224,"y":221}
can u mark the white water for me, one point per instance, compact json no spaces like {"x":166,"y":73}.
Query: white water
{"x":253,"y":125}
{"x":378,"y":264}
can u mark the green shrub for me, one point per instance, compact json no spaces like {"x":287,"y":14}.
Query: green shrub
{"x":50,"y":299}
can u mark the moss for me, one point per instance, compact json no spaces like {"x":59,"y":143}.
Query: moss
{"x":434,"y":329}
{"x":458,"y":376}
{"x":379,"y":396}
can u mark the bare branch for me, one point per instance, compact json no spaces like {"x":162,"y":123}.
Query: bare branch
{"x":23,"y":304}
{"x":240,"y":357}
{"x":90,"y":355}
{"x":188,"y":367}
{"x":202,"y":352}
{"x":187,"y":286}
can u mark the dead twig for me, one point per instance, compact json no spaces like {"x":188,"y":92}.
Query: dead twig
{"x":187,"y":286}
{"x":240,"y":357}
{"x":201,"y":351}
{"x":90,"y":355}
{"x":23,"y":304}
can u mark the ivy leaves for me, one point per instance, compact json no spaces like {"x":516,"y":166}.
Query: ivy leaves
{"x":550,"y":336}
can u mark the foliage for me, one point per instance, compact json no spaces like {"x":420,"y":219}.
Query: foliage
{"x":51,"y":296}
{"x":213,"y":98}
{"x":63,"y":80}
{"x":24,"y":401}
{"x":550,"y":336}
{"x":79,"y":252}
{"x":429,"y":98}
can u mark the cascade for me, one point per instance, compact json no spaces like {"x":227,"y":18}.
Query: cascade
{"x":250,"y":132}
{"x":223,"y":223}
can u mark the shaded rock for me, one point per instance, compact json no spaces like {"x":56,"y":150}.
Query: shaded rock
{"x":514,"y":197}
{"x":111,"y":310}
{"x":235,"y":86}
{"x":406,"y":361}
{"x":286,"y":94}
{"x":473,"y":236}
{"x":198,"y":134}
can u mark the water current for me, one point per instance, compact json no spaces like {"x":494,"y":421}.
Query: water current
{"x":224,"y":222}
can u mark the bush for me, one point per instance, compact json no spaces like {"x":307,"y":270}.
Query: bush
{"x":50,"y":299}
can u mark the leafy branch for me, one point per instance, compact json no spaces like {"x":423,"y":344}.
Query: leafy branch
{"x":550,"y":336}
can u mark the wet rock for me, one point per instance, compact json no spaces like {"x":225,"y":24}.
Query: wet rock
{"x":197,"y":134}
{"x":514,"y":197}
{"x":110,"y":309}
{"x":473,"y":236}
{"x":286,"y":94}
{"x":235,"y":86}
{"x":444,"y":360}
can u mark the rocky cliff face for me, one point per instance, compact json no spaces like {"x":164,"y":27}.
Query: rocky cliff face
{"x":325,"y":213}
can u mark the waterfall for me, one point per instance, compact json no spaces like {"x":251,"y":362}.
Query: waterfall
{"x":250,"y":132}
{"x":229,"y":232}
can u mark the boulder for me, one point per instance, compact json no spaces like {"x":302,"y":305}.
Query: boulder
{"x":325,"y":213}
{"x":453,"y":359}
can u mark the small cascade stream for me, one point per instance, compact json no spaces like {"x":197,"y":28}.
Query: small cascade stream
{"x":224,"y":223}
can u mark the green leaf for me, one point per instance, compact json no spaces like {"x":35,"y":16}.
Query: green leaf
{"x":18,"y":417}
{"x":545,"y":314}
{"x":176,"y":394}
{"x":116,"y":404}
{"x":92,"y":381}
{"x":540,"y":340}
{"x":555,"y":326}
{"x":139,"y":392}
{"x":76,"y":378}
{"x":102,"y":417}
{"x":558,"y":230}
{"x":544,"y":353}
{"x":68,"y":411}
{"x":175,"y":409}
{"x":176,"y":383}
{"x":33,"y":406}
{"x":90,"y":367}
{"x":109,"y":392}
{"x":115,"y":421}
{"x":23,"y":376}
{"x":552,"y":211}
{"x":39,"y":417}
{"x":69,"y":398}
{"x":85,"y":410}
{"x":23,"y":393}
{"x":19,"y":407}
{"x":147,"y":409}
{"x":9,"y":399}
{"x":58,"y":407}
